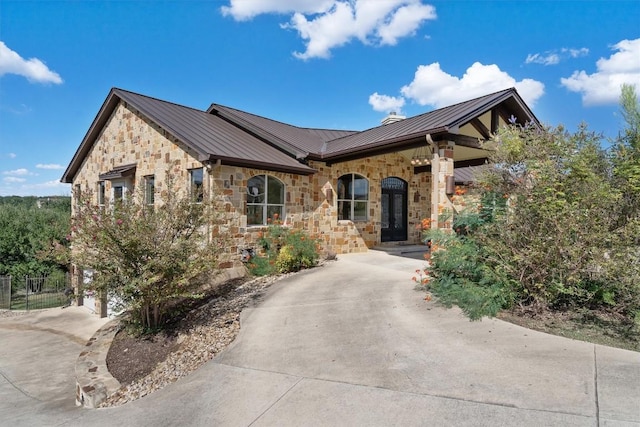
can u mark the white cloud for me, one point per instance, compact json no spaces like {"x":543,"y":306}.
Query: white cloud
{"x":576,"y":53}
{"x":548,"y":59}
{"x":553,"y":57}
{"x":603,"y":86}
{"x":325,"y":25}
{"x":52,"y":166}
{"x":33,"y":69}
{"x":242,"y":10}
{"x":386,"y":103}
{"x":432,"y":86}
{"x":12,"y":155}
{"x":13,"y":179}
{"x":17,"y":172}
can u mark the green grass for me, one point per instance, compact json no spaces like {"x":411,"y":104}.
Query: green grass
{"x":39,"y":301}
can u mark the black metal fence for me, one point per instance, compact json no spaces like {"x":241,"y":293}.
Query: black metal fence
{"x":34,"y":293}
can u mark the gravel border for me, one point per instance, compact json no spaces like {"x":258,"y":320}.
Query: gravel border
{"x":209,"y":330}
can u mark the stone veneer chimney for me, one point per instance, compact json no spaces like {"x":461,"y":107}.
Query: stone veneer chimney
{"x":392,"y":118}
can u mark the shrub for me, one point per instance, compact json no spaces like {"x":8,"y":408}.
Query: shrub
{"x":284,"y":250}
{"x":557,"y":227}
{"x":149,"y":259}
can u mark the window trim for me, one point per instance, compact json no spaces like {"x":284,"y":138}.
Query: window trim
{"x":353,"y":200}
{"x":118,"y":184}
{"x":265,"y":204}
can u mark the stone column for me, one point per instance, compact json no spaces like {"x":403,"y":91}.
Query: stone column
{"x":101,"y":304}
{"x":442,"y":167}
{"x":76,"y":284}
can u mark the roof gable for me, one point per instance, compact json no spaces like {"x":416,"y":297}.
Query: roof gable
{"x":444,"y":120}
{"x":211,"y":137}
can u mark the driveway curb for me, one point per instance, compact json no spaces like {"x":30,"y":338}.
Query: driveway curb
{"x":93,"y":380}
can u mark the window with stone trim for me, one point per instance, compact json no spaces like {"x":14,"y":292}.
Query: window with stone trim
{"x":101,"y":193}
{"x":149,"y":189}
{"x":196,"y":184}
{"x":265,"y":199}
{"x":353,"y":197}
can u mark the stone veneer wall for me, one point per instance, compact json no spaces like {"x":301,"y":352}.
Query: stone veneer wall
{"x":129,"y":137}
{"x":310,"y":204}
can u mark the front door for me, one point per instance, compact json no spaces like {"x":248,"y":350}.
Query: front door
{"x":394,"y":210}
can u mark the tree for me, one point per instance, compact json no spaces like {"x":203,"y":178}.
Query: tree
{"x":28,"y":225}
{"x":144,"y":257}
{"x":565,"y":235}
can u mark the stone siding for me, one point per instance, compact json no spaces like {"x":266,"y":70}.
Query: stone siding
{"x":310,"y":203}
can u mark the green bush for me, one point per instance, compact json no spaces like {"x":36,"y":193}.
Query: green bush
{"x":460,"y":275}
{"x":557,"y":228}
{"x":284,"y":250}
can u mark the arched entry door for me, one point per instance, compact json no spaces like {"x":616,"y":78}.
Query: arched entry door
{"x":394,"y":210}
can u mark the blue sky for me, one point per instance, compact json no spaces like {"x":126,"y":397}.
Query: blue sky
{"x":318,"y":63}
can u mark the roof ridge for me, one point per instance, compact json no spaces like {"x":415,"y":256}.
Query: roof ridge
{"x":274,"y":120}
{"x":114,"y":89}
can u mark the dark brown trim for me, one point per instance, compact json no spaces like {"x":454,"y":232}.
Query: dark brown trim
{"x":472,"y":162}
{"x":406,"y":142}
{"x":495,"y":120}
{"x":480,"y":127}
{"x":302,"y":170}
{"x":458,"y":164}
{"x":118,"y":172}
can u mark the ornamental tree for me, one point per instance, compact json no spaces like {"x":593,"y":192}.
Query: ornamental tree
{"x":147,"y":258}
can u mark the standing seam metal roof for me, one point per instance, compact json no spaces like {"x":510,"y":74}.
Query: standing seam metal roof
{"x":242,"y":138}
{"x":209,"y":136}
{"x":437,"y":120}
{"x":307,"y":140}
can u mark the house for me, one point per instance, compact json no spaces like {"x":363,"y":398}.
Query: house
{"x":353,"y":189}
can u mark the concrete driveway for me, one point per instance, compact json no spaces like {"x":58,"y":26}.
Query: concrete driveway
{"x":352,"y":343}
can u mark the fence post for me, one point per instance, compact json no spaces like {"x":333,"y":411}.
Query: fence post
{"x":26,"y":293}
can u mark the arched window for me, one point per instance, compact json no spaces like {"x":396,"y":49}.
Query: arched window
{"x":353,"y":197}
{"x":265,"y":198}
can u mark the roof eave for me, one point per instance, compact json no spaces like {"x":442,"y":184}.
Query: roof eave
{"x":395,"y":143}
{"x":104,"y":113}
{"x":256,"y":164}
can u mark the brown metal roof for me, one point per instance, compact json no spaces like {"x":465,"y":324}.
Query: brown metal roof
{"x":119,"y":172}
{"x":468,"y":174}
{"x":296,"y":140}
{"x":447,"y":119}
{"x":210,"y":136}
{"x":239,"y":138}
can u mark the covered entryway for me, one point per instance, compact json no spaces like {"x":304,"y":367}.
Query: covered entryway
{"x":394,"y":210}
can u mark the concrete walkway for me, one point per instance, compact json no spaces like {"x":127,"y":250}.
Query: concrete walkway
{"x":352,"y":343}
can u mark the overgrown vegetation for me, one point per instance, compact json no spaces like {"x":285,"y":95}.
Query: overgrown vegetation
{"x":147,"y":258}
{"x":28,"y":226}
{"x":558,"y":228}
{"x":284,"y":250}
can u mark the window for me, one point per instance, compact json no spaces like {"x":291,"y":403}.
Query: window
{"x":353,"y":197}
{"x":101,"y":189}
{"x":265,"y":198}
{"x":149,"y":189}
{"x":120,"y":190}
{"x":196,"y":184}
